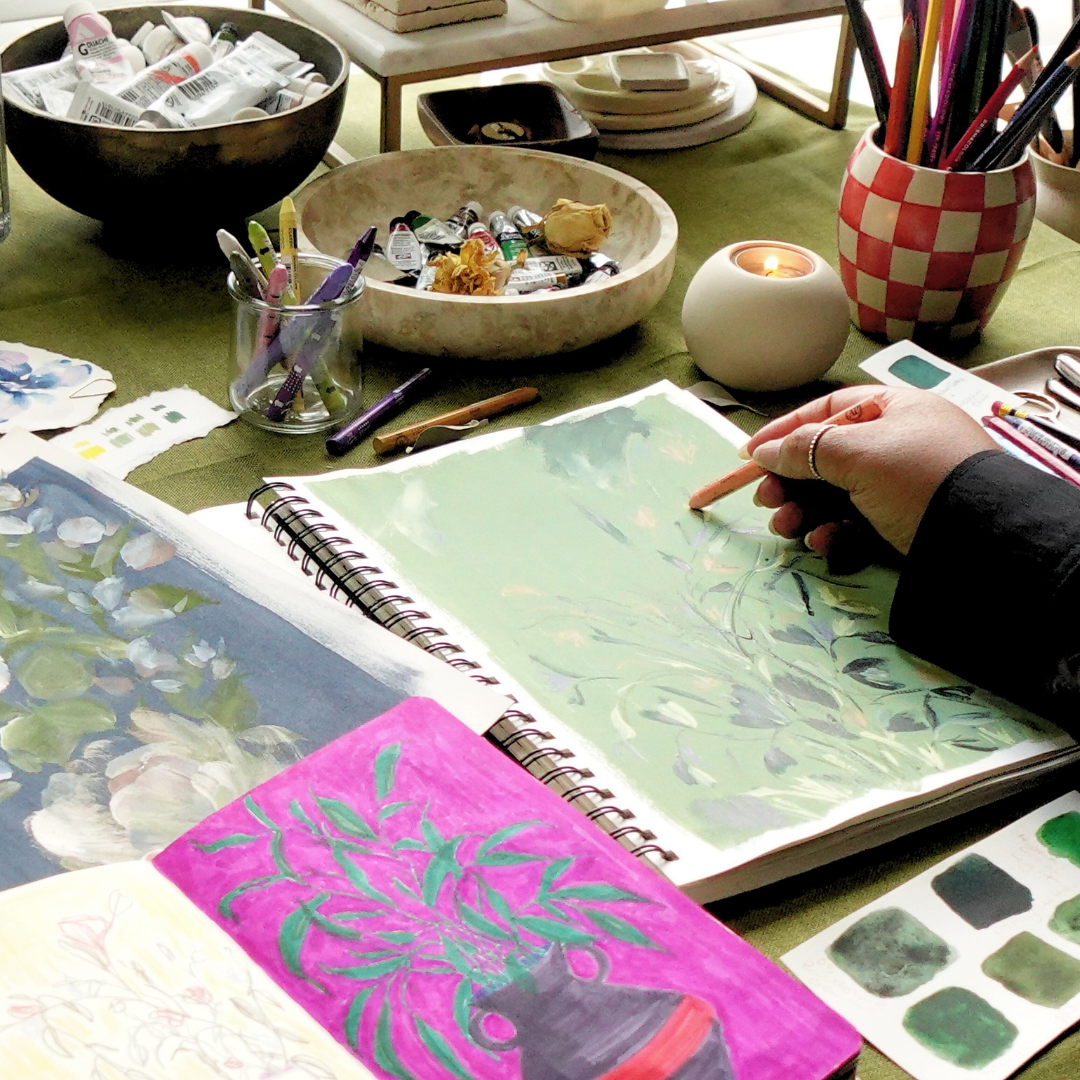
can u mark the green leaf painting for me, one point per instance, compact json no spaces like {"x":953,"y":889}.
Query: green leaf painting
{"x":714,"y":668}
{"x":384,"y":770}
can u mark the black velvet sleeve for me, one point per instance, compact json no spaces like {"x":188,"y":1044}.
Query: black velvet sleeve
{"x":991,"y":587}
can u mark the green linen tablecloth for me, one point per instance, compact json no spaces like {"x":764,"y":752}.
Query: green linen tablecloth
{"x":162,"y":319}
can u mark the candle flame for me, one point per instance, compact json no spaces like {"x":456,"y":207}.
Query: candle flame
{"x":772,"y":264}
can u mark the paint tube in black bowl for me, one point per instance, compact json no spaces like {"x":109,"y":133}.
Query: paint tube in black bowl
{"x":460,"y":221}
{"x":511,"y":242}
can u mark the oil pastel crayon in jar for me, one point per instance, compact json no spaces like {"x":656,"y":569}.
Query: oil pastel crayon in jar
{"x":295,"y":368}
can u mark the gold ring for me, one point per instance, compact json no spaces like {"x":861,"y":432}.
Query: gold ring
{"x":811,"y":457}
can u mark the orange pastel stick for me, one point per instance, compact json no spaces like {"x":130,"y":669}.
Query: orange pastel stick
{"x":870,"y":409}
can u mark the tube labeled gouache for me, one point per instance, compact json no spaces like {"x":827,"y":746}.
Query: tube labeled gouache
{"x":402,"y":247}
{"x":155,"y":81}
{"x":97,"y":106}
{"x":527,"y":281}
{"x":94,"y":46}
{"x":26,"y":84}
{"x":225,"y":40}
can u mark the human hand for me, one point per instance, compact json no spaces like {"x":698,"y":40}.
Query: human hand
{"x":879,"y":475}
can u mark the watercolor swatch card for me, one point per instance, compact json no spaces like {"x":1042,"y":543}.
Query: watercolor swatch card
{"x":740,"y":699}
{"x":466,"y":922}
{"x":149,"y":675}
{"x":44,"y":391}
{"x":971,"y":968}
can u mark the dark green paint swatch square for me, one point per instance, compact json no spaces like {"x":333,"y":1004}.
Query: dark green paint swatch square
{"x":1061,"y":836}
{"x":980,"y":892}
{"x":960,"y":1027}
{"x":889,"y":953}
{"x":1066,"y":920}
{"x":1035,"y":970}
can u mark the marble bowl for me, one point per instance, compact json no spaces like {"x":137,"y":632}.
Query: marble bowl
{"x":338,"y":206}
{"x":1057,"y":201}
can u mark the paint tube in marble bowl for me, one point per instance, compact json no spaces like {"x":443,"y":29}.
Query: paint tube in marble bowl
{"x":25,"y":85}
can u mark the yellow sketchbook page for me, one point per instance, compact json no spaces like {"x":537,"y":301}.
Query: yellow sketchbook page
{"x":113,"y":973}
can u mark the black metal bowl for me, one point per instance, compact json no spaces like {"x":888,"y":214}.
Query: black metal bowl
{"x":208,"y":175}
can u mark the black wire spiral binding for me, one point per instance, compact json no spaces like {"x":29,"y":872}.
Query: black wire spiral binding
{"x":349,"y":575}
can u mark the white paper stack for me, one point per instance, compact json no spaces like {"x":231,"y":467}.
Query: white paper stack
{"x":405,"y":16}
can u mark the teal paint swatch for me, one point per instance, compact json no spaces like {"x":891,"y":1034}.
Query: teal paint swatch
{"x":980,"y":892}
{"x":960,"y":1027}
{"x":890,"y":953}
{"x":916,"y":371}
{"x":1066,"y":920}
{"x":1034,"y":970}
{"x":1061,"y":836}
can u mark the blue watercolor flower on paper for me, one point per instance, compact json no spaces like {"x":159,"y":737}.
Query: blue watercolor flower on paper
{"x":23,"y":384}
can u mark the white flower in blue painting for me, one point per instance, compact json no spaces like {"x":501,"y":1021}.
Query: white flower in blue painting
{"x":109,"y":592}
{"x":13,"y":526}
{"x":21,"y":384}
{"x":74,"y":532}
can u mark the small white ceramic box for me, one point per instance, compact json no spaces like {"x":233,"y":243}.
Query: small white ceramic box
{"x":650,"y":71}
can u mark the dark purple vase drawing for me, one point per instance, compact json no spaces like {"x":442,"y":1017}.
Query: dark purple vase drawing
{"x":569,"y":1027}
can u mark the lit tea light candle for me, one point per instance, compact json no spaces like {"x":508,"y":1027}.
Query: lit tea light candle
{"x":765,"y":315}
{"x":772,"y":260}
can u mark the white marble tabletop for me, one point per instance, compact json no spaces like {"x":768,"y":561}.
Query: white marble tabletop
{"x":526,"y":31}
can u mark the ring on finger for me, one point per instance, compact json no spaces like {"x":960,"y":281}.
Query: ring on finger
{"x":811,"y":457}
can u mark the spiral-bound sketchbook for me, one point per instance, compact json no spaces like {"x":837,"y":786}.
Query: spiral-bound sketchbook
{"x":149,"y":673}
{"x":369,"y":911}
{"x":728,"y":706}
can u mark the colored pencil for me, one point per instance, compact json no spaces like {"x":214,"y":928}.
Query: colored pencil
{"x":948,"y":13}
{"x":1050,"y":129}
{"x":1032,"y":449}
{"x":920,"y":109}
{"x":871,"y":58}
{"x":1026,"y":121}
{"x":870,"y":409}
{"x":1074,"y":158}
{"x":999,"y":408}
{"x":989,"y":112}
{"x":955,"y":95}
{"x":897,"y":126}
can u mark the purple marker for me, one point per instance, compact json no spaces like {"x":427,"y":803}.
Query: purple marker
{"x":348,"y":436}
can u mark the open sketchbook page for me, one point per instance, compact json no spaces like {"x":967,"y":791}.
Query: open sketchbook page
{"x":112,"y":973}
{"x":149,"y":674}
{"x":971,"y":968}
{"x":441,"y":913}
{"x":717,"y":673}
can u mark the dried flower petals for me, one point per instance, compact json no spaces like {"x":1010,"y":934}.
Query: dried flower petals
{"x":472,"y":271}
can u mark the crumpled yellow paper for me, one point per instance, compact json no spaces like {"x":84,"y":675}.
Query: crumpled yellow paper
{"x":573,"y":228}
{"x":470,"y":272}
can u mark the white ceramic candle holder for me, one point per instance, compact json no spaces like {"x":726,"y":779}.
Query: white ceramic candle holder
{"x":764,"y":315}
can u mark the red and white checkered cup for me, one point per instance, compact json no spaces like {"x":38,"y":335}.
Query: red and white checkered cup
{"x":928,"y":254}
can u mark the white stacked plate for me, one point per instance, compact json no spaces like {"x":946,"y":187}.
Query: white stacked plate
{"x":719,"y":101}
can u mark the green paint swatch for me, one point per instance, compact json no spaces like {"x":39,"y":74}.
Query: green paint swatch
{"x":980,"y":892}
{"x":960,"y":1027}
{"x":1034,"y":970}
{"x":1061,"y":836}
{"x":889,"y":953}
{"x":1066,"y":920}
{"x":916,"y":371}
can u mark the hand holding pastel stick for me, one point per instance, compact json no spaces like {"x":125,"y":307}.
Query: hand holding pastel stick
{"x":880,"y":475}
